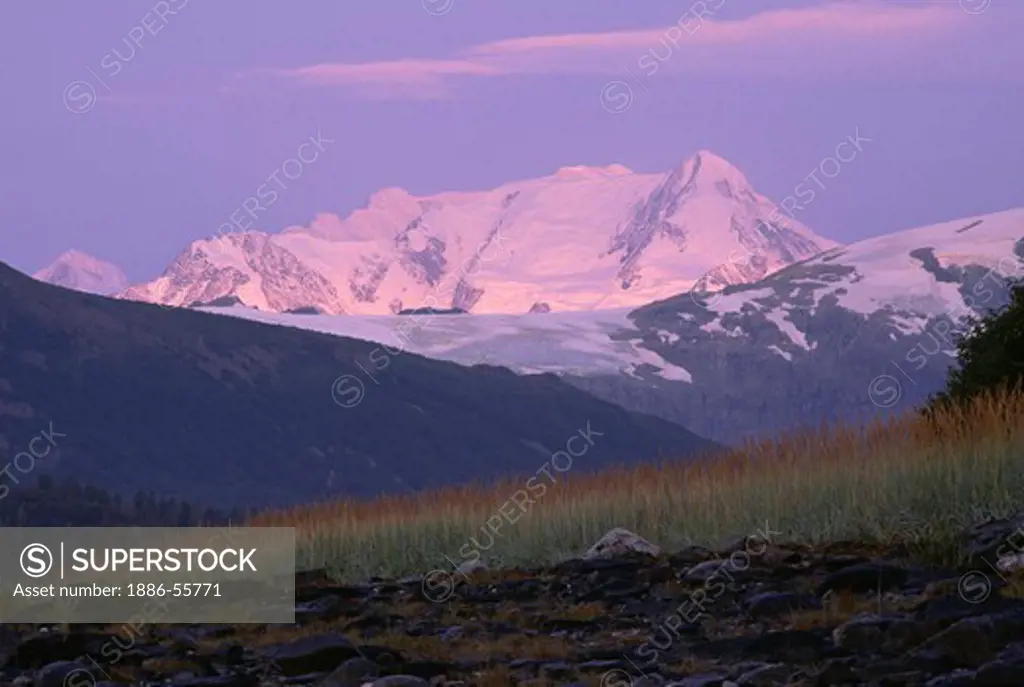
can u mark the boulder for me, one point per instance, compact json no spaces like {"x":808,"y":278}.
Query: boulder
{"x":618,"y":542}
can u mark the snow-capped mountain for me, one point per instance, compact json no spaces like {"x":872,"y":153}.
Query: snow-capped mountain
{"x":581,"y":239}
{"x":83,"y":272}
{"x":861,"y":329}
{"x":953,"y":269}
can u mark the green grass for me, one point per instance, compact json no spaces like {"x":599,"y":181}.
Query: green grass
{"x":908,"y":481}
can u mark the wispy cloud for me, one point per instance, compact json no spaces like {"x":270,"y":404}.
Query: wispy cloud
{"x":840,"y":20}
{"x":842,"y":38}
{"x":408,"y":77}
{"x":396,"y":71}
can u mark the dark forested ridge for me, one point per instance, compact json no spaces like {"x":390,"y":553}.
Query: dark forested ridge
{"x":65,"y":502}
{"x":224,"y":412}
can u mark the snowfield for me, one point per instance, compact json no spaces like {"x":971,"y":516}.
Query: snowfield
{"x":573,"y":343}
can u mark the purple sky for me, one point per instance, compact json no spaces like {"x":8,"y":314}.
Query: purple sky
{"x":218,"y":94}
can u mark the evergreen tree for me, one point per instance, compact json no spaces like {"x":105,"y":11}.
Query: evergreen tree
{"x":991,"y":355}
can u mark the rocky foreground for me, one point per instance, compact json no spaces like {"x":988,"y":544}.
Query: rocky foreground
{"x":757,"y":612}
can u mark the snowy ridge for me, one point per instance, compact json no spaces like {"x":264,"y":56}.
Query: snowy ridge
{"x":583,"y":238}
{"x":913,"y":275}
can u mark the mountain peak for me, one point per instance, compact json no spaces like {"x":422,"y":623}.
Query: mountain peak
{"x":711,"y":172}
{"x":712,"y":166}
{"x":77,"y":257}
{"x":74,"y":269}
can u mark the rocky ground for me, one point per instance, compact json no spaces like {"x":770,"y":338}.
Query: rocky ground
{"x":757,"y":612}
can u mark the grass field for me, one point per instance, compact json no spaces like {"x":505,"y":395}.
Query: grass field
{"x":904,"y":481}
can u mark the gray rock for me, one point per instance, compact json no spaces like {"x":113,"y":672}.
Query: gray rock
{"x":768,"y":675}
{"x":717,"y":569}
{"x":861,"y":634}
{"x":43,"y":647}
{"x":472,"y":566}
{"x":864,"y":577}
{"x":311,"y":654}
{"x":767,"y":604}
{"x":837,"y":671}
{"x":450,"y":634}
{"x":556,"y":670}
{"x":702,"y":680}
{"x":1000,"y":674}
{"x":1011,"y":562}
{"x":214,"y":681}
{"x":997,"y":541}
{"x":653,"y":680}
{"x":620,"y":541}
{"x":400,"y":681}
{"x":966,"y":643}
{"x":352,"y":673}
{"x":958,"y":678}
{"x":65,"y":674}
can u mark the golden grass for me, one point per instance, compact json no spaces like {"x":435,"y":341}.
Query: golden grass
{"x":906,"y":480}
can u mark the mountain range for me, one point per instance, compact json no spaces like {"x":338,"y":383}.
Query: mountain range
{"x":223,"y":412}
{"x":681,"y":295}
{"x":859,"y":330}
{"x":583,"y":238}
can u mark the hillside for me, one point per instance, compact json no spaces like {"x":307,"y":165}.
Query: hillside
{"x":224,"y":412}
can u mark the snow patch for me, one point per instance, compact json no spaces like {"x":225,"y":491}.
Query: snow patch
{"x":788,"y":328}
{"x":667,"y":337}
{"x":715,"y":327}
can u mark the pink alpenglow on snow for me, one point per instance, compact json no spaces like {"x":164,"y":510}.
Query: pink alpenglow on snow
{"x":582,"y":238}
